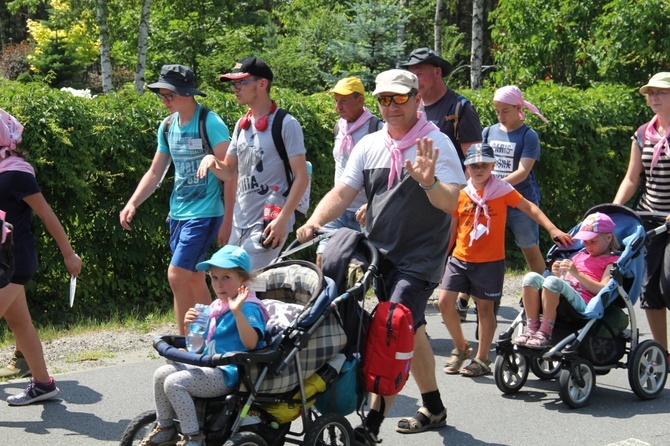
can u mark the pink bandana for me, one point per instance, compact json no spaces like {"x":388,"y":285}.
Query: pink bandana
{"x":10,"y":132}
{"x":513,"y":96}
{"x":397,"y":148}
{"x":347,"y":142}
{"x":494,"y":188}
{"x":660,"y":142}
{"x":218,"y":308}
{"x":16,"y":163}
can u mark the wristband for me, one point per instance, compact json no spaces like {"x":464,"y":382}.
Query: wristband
{"x":432,"y":186}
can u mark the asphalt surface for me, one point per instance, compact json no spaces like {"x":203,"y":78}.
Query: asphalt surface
{"x":94,"y":407}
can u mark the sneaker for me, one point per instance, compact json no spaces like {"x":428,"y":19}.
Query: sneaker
{"x":17,"y":367}
{"x":462,"y":308}
{"x":33,"y":393}
{"x":363,"y":437}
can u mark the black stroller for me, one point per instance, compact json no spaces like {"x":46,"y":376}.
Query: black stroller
{"x":594,"y":342}
{"x":278,"y":382}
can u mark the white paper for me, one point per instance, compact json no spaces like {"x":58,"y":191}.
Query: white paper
{"x":73,"y":288}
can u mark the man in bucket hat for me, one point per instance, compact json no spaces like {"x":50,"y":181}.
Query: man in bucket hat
{"x":196,"y":206}
{"x":403,"y":179}
{"x":255,"y":160}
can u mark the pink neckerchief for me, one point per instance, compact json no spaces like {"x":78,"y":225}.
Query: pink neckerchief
{"x":494,"y":188}
{"x":218,"y":308}
{"x":397,"y":148}
{"x":660,"y":142}
{"x":347,"y":142}
{"x":14,"y":163}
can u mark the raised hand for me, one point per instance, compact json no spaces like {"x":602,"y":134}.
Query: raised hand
{"x":423,"y":168}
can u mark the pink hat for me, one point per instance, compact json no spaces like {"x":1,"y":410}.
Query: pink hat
{"x":593,"y":225}
{"x":10,"y":132}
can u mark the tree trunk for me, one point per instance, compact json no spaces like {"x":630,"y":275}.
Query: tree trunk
{"x":401,"y":37}
{"x":477,"y":44}
{"x":142,"y":46}
{"x":437,"y":44}
{"x":105,"y":59}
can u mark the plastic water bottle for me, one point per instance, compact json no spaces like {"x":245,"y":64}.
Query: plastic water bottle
{"x":195,"y":340}
{"x":273,"y":206}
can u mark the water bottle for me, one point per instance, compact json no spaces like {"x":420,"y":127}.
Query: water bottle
{"x":273,"y":206}
{"x":195,"y":340}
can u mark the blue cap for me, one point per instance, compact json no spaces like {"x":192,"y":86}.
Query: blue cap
{"x":228,"y":257}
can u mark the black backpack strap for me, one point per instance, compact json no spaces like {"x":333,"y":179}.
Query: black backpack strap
{"x":278,"y":140}
{"x":202,"y":128}
{"x":486,"y":135}
{"x":373,"y":125}
{"x":166,"y":128}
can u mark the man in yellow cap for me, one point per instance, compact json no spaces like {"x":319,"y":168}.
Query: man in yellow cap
{"x":355,"y":122}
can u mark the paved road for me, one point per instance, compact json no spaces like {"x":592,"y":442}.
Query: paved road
{"x":95,"y":407}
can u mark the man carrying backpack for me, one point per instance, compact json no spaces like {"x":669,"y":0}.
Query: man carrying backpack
{"x":355,"y":122}
{"x":256,"y":159}
{"x":196,"y":207}
{"x":411,"y":191}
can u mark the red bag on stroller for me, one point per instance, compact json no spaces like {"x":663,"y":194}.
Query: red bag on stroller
{"x":388,"y":349}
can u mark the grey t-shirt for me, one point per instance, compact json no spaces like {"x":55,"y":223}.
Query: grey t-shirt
{"x":260,"y":167}
{"x":401,"y":221}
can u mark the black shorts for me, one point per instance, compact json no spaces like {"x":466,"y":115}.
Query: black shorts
{"x":656,"y":284}
{"x":481,"y":280}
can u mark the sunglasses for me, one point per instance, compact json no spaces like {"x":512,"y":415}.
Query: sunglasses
{"x":399,"y":99}
{"x":166,"y":96}
{"x":239,"y":84}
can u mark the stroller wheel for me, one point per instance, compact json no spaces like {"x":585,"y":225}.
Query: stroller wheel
{"x":138,"y":428}
{"x":331,"y":429}
{"x":545,"y":368}
{"x":511,"y":371}
{"x":246,"y":439}
{"x":577,"y":383}
{"x":647,"y":370}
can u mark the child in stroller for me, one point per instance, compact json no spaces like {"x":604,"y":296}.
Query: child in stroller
{"x":595,"y":339}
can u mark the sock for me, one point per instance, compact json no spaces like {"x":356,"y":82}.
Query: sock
{"x":432,"y":401}
{"x":547,"y":326}
{"x":46,"y":384}
{"x":533,"y":324}
{"x":374,"y":421}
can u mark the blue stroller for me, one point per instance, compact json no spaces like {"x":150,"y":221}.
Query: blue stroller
{"x":594,"y":342}
{"x":280,"y":383}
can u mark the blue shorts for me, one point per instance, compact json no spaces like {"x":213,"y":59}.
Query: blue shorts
{"x":480,"y":280}
{"x":346,"y":220}
{"x":396,"y":286}
{"x":190,"y":240}
{"x":526,"y":231}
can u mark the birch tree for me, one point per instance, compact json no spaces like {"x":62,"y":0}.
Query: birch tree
{"x":437,"y":44}
{"x":477,"y":53}
{"x":105,"y":58}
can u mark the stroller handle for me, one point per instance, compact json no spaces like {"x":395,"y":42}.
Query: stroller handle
{"x":655,"y":216}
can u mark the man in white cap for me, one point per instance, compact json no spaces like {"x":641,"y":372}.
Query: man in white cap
{"x":412,"y":176}
{"x":355,"y":122}
{"x":196,"y":206}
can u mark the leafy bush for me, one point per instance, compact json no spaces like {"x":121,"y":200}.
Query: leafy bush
{"x":90,"y":154}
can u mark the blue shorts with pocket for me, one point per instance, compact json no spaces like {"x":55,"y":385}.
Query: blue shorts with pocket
{"x":190,"y":240}
{"x":526,"y":231}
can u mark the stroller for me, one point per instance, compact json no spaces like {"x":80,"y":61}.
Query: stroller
{"x":592,"y":343}
{"x":279,"y":383}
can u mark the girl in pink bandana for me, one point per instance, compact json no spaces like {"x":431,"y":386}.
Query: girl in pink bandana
{"x":649,"y":170}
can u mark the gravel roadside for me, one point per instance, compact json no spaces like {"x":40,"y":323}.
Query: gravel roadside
{"x":104,"y":348}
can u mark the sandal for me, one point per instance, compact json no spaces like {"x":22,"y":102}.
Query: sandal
{"x":161,"y":434}
{"x":453,"y":366}
{"x":477,"y":367}
{"x":522,"y":339}
{"x":539,"y":340}
{"x":422,"y":421}
{"x":192,"y":440}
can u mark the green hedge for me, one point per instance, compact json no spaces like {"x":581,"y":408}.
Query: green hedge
{"x":90,"y":154}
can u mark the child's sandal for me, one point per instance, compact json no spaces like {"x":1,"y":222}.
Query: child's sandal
{"x":453,"y":366}
{"x":159,"y":436}
{"x":539,"y":340}
{"x":523,"y":338}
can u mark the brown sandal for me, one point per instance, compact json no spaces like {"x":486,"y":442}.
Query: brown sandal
{"x":149,"y":439}
{"x":453,"y":366}
{"x":422,"y":421}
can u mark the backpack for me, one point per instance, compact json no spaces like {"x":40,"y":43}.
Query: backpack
{"x":455,"y":113}
{"x":277,"y":124}
{"x":373,"y":126}
{"x":6,"y":253}
{"x":388,"y":349}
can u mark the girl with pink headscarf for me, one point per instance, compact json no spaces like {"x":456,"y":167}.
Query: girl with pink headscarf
{"x":20,"y":196}
{"x":517,"y":147}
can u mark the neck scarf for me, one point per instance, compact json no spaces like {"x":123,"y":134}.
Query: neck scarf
{"x":494,"y":188}
{"x":660,"y":142}
{"x":347,"y":142}
{"x":397,"y":148}
{"x":218,"y":308}
{"x":513,"y":96}
{"x":15,"y":163}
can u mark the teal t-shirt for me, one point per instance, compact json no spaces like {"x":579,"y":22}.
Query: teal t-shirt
{"x":193,"y":197}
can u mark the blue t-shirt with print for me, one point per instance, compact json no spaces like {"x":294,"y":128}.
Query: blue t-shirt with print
{"x":509,"y":148}
{"x":226,"y":338}
{"x":193,"y":197}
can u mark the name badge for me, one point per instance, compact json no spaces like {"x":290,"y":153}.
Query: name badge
{"x":195,"y":144}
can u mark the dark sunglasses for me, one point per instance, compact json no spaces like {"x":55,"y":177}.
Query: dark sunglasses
{"x":399,"y":99}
